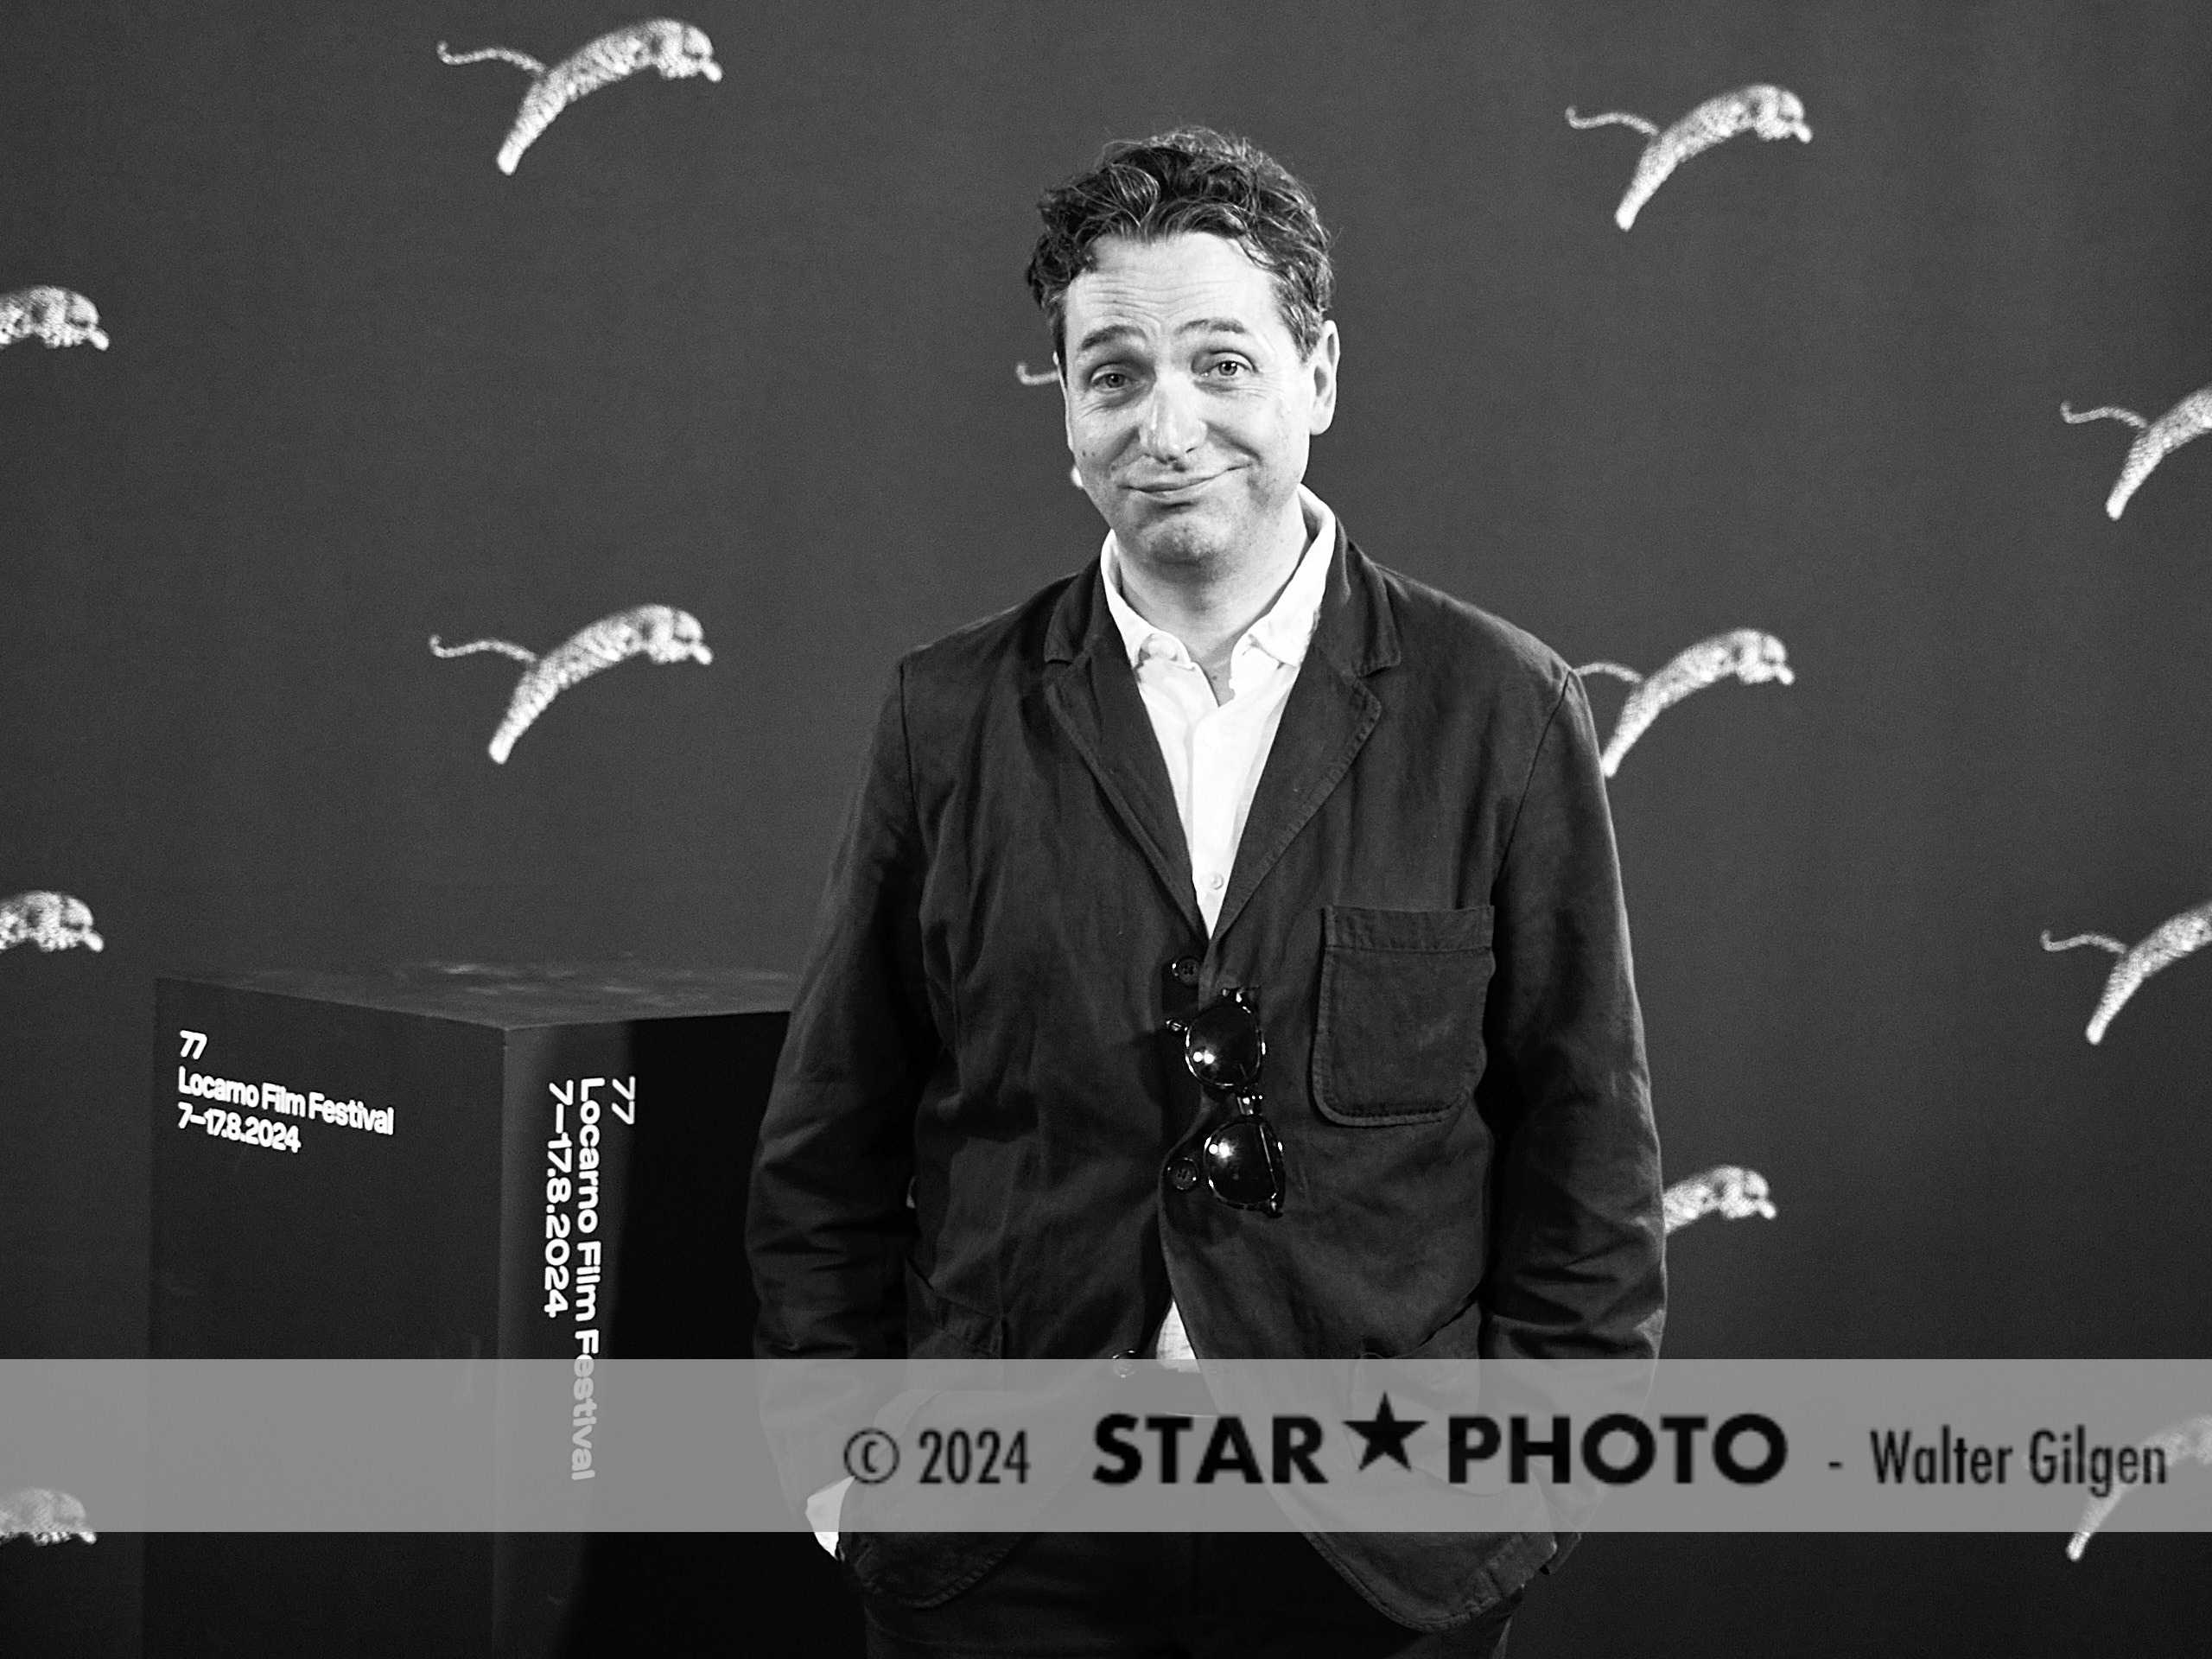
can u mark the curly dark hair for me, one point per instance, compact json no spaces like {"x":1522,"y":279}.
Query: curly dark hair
{"x":1192,"y":179}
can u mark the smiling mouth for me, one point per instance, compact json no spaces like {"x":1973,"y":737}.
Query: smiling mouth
{"x":1179,"y":487}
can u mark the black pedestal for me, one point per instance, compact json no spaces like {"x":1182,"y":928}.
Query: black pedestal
{"x":359,"y":1166}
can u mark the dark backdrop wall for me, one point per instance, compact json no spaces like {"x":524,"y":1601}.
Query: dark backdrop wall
{"x":747,"y":349}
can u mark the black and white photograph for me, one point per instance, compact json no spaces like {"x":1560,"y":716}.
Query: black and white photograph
{"x":1160,"y":689}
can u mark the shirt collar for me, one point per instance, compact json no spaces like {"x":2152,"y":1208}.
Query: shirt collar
{"x":1283,"y":632}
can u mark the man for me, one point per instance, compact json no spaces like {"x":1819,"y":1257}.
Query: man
{"x":1233,"y":774}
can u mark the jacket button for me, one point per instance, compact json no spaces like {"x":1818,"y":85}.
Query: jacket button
{"x":1184,"y":969}
{"x":1125,"y":1363}
{"x":1183,"y":1174}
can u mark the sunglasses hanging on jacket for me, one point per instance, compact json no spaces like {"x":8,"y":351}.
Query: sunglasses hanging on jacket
{"x":1223,"y":1047}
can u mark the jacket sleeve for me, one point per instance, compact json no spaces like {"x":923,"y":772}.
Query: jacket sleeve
{"x":827,"y":1222}
{"x":1578,"y":1266}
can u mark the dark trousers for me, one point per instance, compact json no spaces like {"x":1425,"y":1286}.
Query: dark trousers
{"x":1166,"y":1595}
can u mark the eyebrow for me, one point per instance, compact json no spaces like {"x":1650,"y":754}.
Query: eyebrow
{"x":1109,"y":332}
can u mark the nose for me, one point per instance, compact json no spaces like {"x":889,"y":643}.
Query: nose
{"x":1172,"y":426}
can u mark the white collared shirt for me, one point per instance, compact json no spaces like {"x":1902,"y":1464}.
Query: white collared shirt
{"x":1216,"y":752}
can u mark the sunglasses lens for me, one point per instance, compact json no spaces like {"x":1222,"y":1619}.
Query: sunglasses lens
{"x":1222,"y":1046}
{"x":1238,"y":1163}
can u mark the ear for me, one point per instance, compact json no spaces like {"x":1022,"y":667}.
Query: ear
{"x":1067,"y":410}
{"x":1067,"y":424}
{"x":1321,"y":364}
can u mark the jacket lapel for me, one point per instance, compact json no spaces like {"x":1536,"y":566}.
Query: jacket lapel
{"x":1326,"y":719}
{"x":1092,"y":692}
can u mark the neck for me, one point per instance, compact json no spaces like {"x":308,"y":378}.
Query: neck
{"x":1208,"y":606}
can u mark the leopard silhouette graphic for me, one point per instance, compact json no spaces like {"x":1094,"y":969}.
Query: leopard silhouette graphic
{"x":2189,"y":1441}
{"x":654,"y":632}
{"x":1731,"y":1192}
{"x":2172,"y":940}
{"x":44,"y":1517}
{"x":1769,"y":112}
{"x":2155,"y":440}
{"x":677,"y":50}
{"x":52,"y":921}
{"x":58,"y":317}
{"x":1744,"y":654}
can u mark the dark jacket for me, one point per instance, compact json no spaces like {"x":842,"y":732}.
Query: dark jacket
{"x":1426,"y":895}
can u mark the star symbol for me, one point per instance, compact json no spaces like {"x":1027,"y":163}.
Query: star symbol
{"x":1385,"y":1434}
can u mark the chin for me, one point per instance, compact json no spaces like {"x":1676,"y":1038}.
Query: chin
{"x":1175,"y":543}
{"x":1183,"y":536}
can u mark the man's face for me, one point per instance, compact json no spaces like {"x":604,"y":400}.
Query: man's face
{"x":1189,"y":409}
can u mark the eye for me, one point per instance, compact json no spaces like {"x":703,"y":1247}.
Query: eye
{"x":1229,"y":368}
{"x":1108,"y":380}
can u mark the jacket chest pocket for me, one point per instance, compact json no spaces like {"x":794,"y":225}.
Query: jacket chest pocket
{"x":1399,"y":1035}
